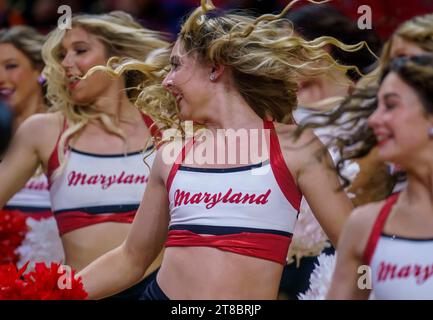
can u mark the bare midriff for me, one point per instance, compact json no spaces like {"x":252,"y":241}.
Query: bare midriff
{"x":210,"y":273}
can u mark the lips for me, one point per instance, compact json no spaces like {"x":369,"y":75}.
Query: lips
{"x":73,"y":84}
{"x":382,"y":138}
{"x":382,"y":142}
{"x":6,"y":93}
{"x":73,"y":81}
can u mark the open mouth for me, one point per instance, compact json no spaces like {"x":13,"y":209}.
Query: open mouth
{"x":382,"y":139}
{"x":6,"y":93}
{"x":73,"y":81}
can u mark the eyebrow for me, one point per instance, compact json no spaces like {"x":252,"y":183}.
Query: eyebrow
{"x":76,"y":43}
{"x":80,"y":42}
{"x":391,"y":95}
{"x":9,"y":60}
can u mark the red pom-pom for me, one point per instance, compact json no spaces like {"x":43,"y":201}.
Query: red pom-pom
{"x":44,"y":283}
{"x":12,"y":285}
{"x":13,"y":229}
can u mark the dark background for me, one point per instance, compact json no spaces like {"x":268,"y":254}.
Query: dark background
{"x":165,"y":15}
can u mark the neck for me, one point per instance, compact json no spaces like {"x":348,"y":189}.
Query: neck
{"x":420,"y":180}
{"x":34,"y":104}
{"x":116,"y":104}
{"x":228,"y":110}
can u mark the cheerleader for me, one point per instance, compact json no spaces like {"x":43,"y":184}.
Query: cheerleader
{"x":21,"y":86}
{"x":226,"y":227}
{"x":91,"y":144}
{"x":394,"y":237}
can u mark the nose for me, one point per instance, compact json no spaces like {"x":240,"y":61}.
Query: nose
{"x":374,"y":119}
{"x":67,"y":62}
{"x":168,"y":83}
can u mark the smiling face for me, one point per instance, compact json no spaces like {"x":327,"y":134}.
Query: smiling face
{"x":80,"y":51}
{"x":188,"y":80}
{"x":399,"y":122}
{"x":18,"y":77}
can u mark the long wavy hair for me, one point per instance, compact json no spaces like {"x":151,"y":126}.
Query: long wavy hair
{"x":264,"y":55}
{"x":352,"y":114}
{"x":27,"y":40}
{"x":355,"y":138}
{"x":123,"y":38}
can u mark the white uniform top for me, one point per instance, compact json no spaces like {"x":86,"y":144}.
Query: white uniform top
{"x":249,"y":210}
{"x":34,"y":196}
{"x":401,"y":268}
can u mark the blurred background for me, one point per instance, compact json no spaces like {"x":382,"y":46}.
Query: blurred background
{"x":166,"y":15}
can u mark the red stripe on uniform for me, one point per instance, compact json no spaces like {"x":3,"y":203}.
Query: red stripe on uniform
{"x":154,"y":130}
{"x":259,"y":245}
{"x":54,"y":163}
{"x":281,"y":172}
{"x":69,"y":221}
{"x":377,"y":228}
{"x":180,"y":158}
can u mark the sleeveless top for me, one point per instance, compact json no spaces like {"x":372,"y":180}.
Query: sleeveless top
{"x":250,"y":210}
{"x":401,"y":268}
{"x":96,"y":188}
{"x":33,"y":200}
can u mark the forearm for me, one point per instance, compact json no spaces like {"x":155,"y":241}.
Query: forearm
{"x":111,"y":273}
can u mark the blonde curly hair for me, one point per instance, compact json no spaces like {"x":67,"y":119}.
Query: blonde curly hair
{"x":265,"y":57}
{"x":123,"y":38}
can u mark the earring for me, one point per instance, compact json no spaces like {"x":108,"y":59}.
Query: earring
{"x":212,"y":77}
{"x":430,"y":132}
{"x":41,"y":80}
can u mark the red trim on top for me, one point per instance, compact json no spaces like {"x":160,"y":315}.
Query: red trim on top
{"x":53,"y":161}
{"x":281,"y":171}
{"x":72,"y":220}
{"x":154,"y":130}
{"x":377,"y":228}
{"x":180,"y":158}
{"x":259,"y":245}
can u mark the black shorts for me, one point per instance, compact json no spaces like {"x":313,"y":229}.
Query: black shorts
{"x":296,"y":280}
{"x":136,"y":291}
{"x":154,"y":292}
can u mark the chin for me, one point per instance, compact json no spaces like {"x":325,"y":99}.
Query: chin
{"x":81,"y":99}
{"x":185,"y":116}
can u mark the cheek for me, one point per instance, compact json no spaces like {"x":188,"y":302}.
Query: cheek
{"x":21,"y":77}
{"x":91,"y":88}
{"x":86,"y":63}
{"x":410,"y":135}
{"x":25,"y":81}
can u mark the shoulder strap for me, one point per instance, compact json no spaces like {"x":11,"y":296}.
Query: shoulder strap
{"x":180,"y":158}
{"x":53,"y":161}
{"x":378,"y":227}
{"x":150,"y":124}
{"x":280,"y":170}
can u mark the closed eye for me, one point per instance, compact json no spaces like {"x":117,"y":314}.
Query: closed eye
{"x":11,"y":66}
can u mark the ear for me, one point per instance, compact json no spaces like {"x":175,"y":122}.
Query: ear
{"x":216,"y":71}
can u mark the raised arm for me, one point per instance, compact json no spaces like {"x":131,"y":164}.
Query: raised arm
{"x":125,"y":265}
{"x":319,"y":184}
{"x":23,"y":156}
